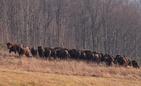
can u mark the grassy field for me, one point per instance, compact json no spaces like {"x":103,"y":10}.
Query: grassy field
{"x":24,"y":78}
{"x":37,"y":72}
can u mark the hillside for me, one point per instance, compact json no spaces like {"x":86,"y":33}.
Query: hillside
{"x":24,"y":78}
{"x":108,"y":26}
{"x":70,"y":42}
{"x":37,"y":72}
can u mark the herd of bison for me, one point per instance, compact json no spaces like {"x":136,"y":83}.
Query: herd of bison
{"x":64,"y":54}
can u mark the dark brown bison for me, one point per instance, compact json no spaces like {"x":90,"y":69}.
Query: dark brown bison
{"x":101,"y":58}
{"x":119,"y":60}
{"x":40,"y":51}
{"x":82,"y":55}
{"x":12,"y":47}
{"x":53,"y":53}
{"x":134,"y":64}
{"x":24,"y":51}
{"x":108,"y":59}
{"x":34,"y":52}
{"x":122,"y":61}
{"x":96,"y":57}
{"x":9,"y":45}
{"x":89,"y":56}
{"x":47,"y":52}
{"x":62,"y":53}
{"x":20,"y":51}
{"x":74,"y":54}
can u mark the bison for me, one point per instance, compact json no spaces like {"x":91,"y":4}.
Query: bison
{"x":20,"y":51}
{"x":134,"y":64}
{"x":27,"y":52}
{"x":24,"y":51}
{"x":108,"y":59}
{"x":82,"y":55}
{"x":40,"y":51}
{"x":62,"y":53}
{"x":34,"y":52}
{"x":122,"y":61}
{"x":53,"y":53}
{"x":119,"y":60}
{"x":96,"y":57}
{"x":74,"y":54}
{"x":89,"y":55}
{"x":101,"y":58}
{"x":12,"y":47}
{"x":47,"y":52}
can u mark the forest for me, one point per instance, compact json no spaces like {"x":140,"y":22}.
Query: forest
{"x":107,"y":26}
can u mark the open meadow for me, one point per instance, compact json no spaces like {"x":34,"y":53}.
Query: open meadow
{"x":38,"y":72}
{"x":70,"y":42}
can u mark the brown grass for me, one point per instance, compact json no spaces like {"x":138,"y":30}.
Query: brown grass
{"x":24,"y":78}
{"x":38,"y":72}
{"x":70,"y":67}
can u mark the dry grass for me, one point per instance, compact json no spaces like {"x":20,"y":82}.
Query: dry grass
{"x":37,"y":72}
{"x":70,"y":67}
{"x":23,"y":78}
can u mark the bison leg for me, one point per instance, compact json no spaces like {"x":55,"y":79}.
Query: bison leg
{"x":9,"y":51}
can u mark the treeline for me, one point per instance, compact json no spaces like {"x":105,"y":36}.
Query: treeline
{"x":108,"y":26}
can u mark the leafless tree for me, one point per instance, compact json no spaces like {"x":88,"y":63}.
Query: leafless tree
{"x":108,"y":26}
